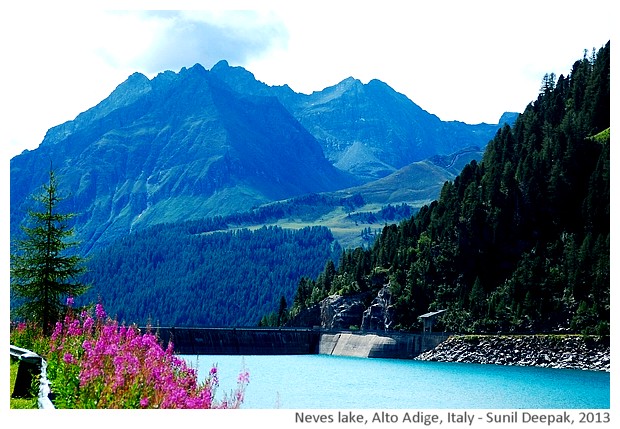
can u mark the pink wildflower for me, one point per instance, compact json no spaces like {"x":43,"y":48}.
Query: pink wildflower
{"x":87,"y":375}
{"x":70,"y":301}
{"x":244,"y":378}
{"x":88,"y":323}
{"x":57,"y":331}
{"x":170,"y":348}
{"x":115,"y":362}
{"x":213,"y":379}
{"x":100,"y":312}
{"x":206,"y":397}
{"x":239,"y":396}
{"x":74,"y":329}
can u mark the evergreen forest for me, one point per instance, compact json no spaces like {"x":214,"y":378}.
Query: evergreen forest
{"x":518,"y":242}
{"x":188,"y":275}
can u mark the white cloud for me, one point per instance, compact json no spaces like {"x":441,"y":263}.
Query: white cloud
{"x":59,"y":65}
{"x":63,"y":63}
{"x":206,"y":37}
{"x":467,"y":61}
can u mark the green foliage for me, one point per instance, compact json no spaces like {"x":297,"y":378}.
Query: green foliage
{"x":520,"y":241}
{"x":43,"y":273}
{"x":184,"y":275}
{"x":29,"y":336}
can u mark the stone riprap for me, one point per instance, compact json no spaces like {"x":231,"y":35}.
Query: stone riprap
{"x":549,"y":351}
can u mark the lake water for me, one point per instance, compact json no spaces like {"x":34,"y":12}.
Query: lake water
{"x":329,"y":382}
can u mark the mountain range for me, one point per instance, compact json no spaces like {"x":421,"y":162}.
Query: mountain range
{"x":202,"y":143}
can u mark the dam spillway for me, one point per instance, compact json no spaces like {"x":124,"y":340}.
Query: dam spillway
{"x":287,"y":341}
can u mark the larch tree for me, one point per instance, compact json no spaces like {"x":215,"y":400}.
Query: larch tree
{"x":43,"y":272}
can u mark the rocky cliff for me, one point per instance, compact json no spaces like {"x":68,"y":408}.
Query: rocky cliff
{"x":340,"y":312}
{"x":360,"y":311}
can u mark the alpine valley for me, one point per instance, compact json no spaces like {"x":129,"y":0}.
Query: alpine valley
{"x":204,"y":196}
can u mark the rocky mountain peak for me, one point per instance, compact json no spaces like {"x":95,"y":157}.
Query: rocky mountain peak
{"x":195,"y":69}
{"x":132,"y":89}
{"x":240,"y":79}
{"x":126,"y":93}
{"x":508,"y":118}
{"x":226,"y":142}
{"x":349,"y":85}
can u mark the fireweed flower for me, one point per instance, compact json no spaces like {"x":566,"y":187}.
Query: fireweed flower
{"x":213,"y":376}
{"x":86,"y":376}
{"x":100,"y":312}
{"x":99,"y":364}
{"x":74,"y":329}
{"x":244,"y":378}
{"x":70,"y":301}
{"x":88,"y":323}
{"x":57,"y":331}
{"x":122,"y":331}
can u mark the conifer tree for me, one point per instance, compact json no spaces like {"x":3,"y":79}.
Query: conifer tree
{"x":43,"y":274}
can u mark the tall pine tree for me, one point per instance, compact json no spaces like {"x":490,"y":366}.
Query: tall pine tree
{"x":43,"y":274}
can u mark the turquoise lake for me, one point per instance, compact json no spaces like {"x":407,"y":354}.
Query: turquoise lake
{"x":331,"y":382}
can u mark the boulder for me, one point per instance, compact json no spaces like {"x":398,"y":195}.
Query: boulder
{"x":340,"y":312}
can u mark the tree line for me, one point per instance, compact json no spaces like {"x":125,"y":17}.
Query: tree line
{"x":168,"y":277}
{"x":518,"y":242}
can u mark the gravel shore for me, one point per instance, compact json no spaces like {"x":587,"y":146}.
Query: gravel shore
{"x":549,"y":351}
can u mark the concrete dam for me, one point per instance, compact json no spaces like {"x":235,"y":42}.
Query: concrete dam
{"x":287,"y":341}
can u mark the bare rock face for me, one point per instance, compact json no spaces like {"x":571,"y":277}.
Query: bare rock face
{"x":379,"y":316}
{"x":339,"y":312}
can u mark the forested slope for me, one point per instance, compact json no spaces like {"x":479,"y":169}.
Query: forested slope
{"x":184,"y":275}
{"x":517,"y":242}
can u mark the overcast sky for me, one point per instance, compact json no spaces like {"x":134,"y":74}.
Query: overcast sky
{"x":460,"y":60}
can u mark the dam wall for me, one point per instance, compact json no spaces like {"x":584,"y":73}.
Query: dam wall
{"x":383,"y":345}
{"x":240,"y":341}
{"x":288,"y":341}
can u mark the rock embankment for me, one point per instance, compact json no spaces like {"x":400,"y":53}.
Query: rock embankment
{"x":549,"y":351}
